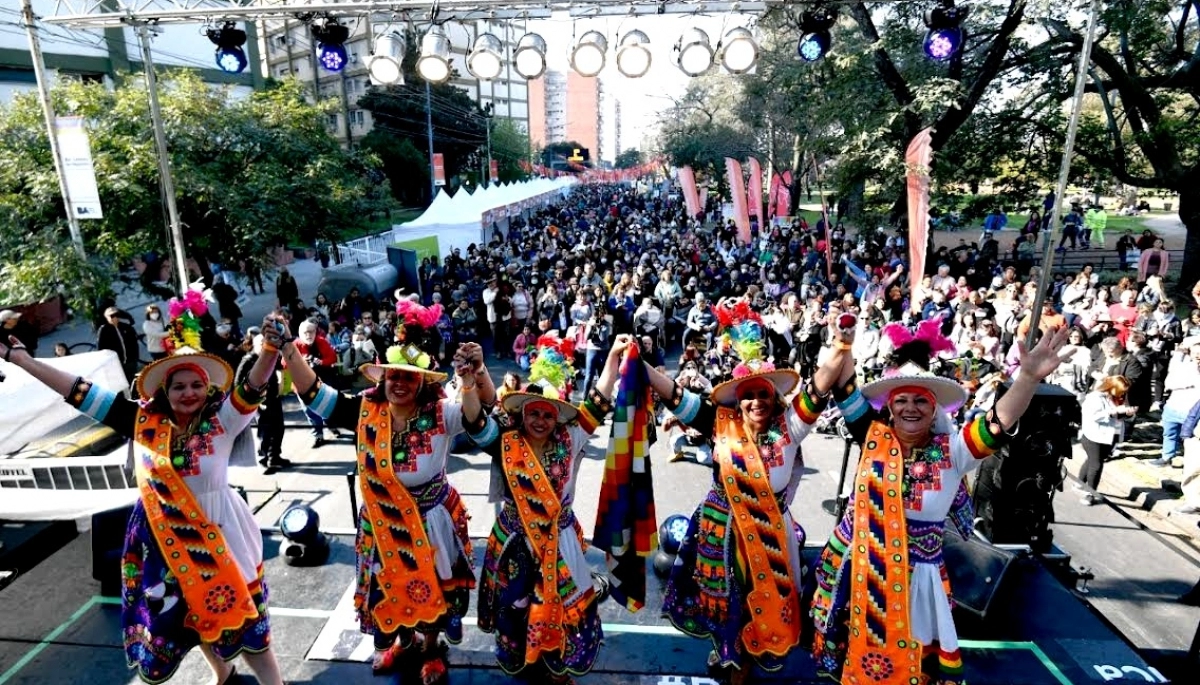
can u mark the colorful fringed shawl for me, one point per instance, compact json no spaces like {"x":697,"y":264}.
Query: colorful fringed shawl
{"x":407,"y":576}
{"x":539,"y":508}
{"x":217,"y":596}
{"x":774,"y":617}
{"x":880,"y":648}
{"x":626,"y":527}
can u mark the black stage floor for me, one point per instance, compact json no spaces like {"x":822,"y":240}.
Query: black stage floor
{"x":55,"y":629}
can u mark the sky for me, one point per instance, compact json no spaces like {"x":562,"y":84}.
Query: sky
{"x":644,"y":98}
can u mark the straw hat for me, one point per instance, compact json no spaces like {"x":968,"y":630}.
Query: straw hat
{"x":417,"y":339}
{"x":784,"y":380}
{"x":549,"y":375}
{"x":156,"y":374}
{"x":948,"y":393}
{"x":515,"y":402}
{"x":404,"y":357}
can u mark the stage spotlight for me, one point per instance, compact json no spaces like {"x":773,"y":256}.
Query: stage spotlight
{"x":331,"y":44}
{"x":815,"y":40}
{"x":434,"y":63}
{"x":739,"y":50}
{"x":529,"y":59}
{"x":672,"y":533}
{"x":487,"y":57}
{"x":307,"y":545}
{"x":229,"y":40}
{"x":385,"y":60}
{"x":946,"y":35}
{"x":588,"y":55}
{"x":633,"y":56}
{"x":695,"y":52}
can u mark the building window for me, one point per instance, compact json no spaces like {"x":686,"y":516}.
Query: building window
{"x":283,"y":72}
{"x":280,"y":41}
{"x":331,"y":120}
{"x":356,"y":118}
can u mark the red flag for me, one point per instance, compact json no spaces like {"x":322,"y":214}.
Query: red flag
{"x":916,"y":161}
{"x":687,"y":180}
{"x":737,"y":188}
{"x":783,"y":200}
{"x":703,"y":200}
{"x":756,"y":191}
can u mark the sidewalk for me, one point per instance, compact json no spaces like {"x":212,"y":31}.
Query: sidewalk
{"x":307,"y":273}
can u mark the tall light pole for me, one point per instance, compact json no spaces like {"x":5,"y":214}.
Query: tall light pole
{"x":429,"y":134}
{"x":39,"y":71}
{"x":164,"y":159}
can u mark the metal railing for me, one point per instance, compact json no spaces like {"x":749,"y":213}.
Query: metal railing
{"x":367,"y":250}
{"x":1102,"y":260}
{"x":73,"y":473}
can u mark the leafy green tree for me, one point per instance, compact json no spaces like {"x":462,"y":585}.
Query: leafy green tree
{"x":249,"y":174}
{"x":510,"y":147}
{"x":405,"y":165}
{"x":628,"y":159}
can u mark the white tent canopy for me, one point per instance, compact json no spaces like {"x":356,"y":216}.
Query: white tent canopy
{"x":468,"y":218}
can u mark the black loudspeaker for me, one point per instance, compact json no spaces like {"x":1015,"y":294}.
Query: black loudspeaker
{"x":108,"y":545}
{"x":1014,"y":490}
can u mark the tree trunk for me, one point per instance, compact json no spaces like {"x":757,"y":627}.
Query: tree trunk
{"x":1189,"y":214}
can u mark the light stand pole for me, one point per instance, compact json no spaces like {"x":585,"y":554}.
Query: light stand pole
{"x":164,"y":159}
{"x":1064,"y":173}
{"x":429,"y":134}
{"x":39,"y":72}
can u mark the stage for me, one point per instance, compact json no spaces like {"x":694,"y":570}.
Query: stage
{"x":58,"y":630}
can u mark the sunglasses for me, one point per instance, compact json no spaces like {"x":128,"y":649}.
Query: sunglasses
{"x":755,"y":394}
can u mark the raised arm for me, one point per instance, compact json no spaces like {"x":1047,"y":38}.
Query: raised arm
{"x":478,"y":389}
{"x":838,"y":369}
{"x":13,"y":351}
{"x":1036,"y":364}
{"x":612,"y":367}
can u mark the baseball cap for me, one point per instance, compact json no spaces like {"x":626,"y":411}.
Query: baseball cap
{"x":9,"y":315}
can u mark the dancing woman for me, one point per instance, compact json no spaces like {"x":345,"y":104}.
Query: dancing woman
{"x":192,"y":565}
{"x":414,"y":555}
{"x":882,"y":603}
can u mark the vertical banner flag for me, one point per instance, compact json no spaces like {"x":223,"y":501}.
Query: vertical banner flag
{"x":783,"y":202}
{"x":439,"y":169}
{"x":79,"y":175}
{"x":756,"y":192}
{"x":773,"y":196}
{"x":737,"y":191}
{"x":626,"y":526}
{"x":687,"y":181}
{"x":703,"y":200}
{"x":916,"y":162}
{"x":494,"y":168}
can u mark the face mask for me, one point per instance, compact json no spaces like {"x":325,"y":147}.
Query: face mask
{"x":155,"y":316}
{"x":358,"y":344}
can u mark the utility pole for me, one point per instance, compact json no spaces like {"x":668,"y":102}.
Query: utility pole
{"x":489,"y":144}
{"x":39,"y":71}
{"x":429,"y":134}
{"x":164,"y":159}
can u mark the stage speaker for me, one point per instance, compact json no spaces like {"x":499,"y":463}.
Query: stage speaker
{"x":108,"y":546}
{"x":1014,"y":489}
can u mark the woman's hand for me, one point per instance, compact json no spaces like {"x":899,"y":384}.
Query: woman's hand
{"x":9,"y":346}
{"x":620,"y":345}
{"x":1044,"y":358}
{"x":275,"y":332}
{"x":468,"y":358}
{"x":844,"y":327}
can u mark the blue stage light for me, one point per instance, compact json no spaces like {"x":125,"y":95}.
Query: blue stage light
{"x":813,"y":46}
{"x":942,"y":44}
{"x":307,"y":545}
{"x":815,"y":39}
{"x":331,"y":49}
{"x":229,"y":40}
{"x":331,"y":57}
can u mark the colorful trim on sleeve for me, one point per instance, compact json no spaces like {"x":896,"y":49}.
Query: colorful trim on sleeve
{"x":322,"y":401}
{"x":854,"y":407}
{"x":486,"y":435}
{"x":807,"y":407}
{"x":979,"y":438}
{"x":841,"y":393}
{"x":97,"y":402}
{"x":587,"y":419}
{"x":245,"y":400}
{"x":689,"y":407}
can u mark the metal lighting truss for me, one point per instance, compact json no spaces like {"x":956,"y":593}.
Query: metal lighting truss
{"x":112,"y":13}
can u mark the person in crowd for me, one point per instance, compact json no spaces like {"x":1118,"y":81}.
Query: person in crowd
{"x":318,"y":356}
{"x":751,"y":617}
{"x":509,"y":384}
{"x":1124,"y":313}
{"x":1191,"y":325}
{"x":1163,"y":331}
{"x":1183,"y":382}
{"x":155,"y":332}
{"x":546,"y":623}
{"x":270,"y":410}
{"x":287,"y":291}
{"x":1073,"y":374}
{"x":1126,"y":245}
{"x":1190,"y":480}
{"x":61,"y":349}
{"x":523,"y":347}
{"x":118,"y":334}
{"x":185,"y":431}
{"x":415,"y":563}
{"x":1154,"y":261}
{"x":905,"y":414}
{"x":597,"y":339}
{"x":1104,"y":414}
{"x":499,"y":314}
{"x":522,"y":306}
{"x":701,"y":322}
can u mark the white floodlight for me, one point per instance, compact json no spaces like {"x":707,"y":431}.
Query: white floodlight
{"x":385,"y":59}
{"x":695,"y":52}
{"x":529,"y":58}
{"x":633,"y":56}
{"x":486,"y":60}
{"x":739,"y":50}
{"x":587,"y":58}
{"x":434,"y":63}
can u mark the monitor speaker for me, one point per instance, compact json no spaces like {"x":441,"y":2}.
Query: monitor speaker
{"x":1014,"y":489}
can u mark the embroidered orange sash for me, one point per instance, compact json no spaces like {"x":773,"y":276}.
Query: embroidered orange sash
{"x":407,"y":577}
{"x":880,"y":647}
{"x":217,"y":596}
{"x":773,"y":625}
{"x":538,"y":507}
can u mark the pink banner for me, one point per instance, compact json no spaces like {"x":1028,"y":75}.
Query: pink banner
{"x":703,"y":200}
{"x":687,"y":181}
{"x":916,"y":161}
{"x":737,"y":189}
{"x":756,"y":191}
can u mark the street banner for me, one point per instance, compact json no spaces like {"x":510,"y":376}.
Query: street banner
{"x":494,"y":167}
{"x":703,"y":199}
{"x":737,"y":191}
{"x":756,"y":191}
{"x":687,"y":181}
{"x":79,"y":175}
{"x":439,"y":169}
{"x":916,"y":161}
